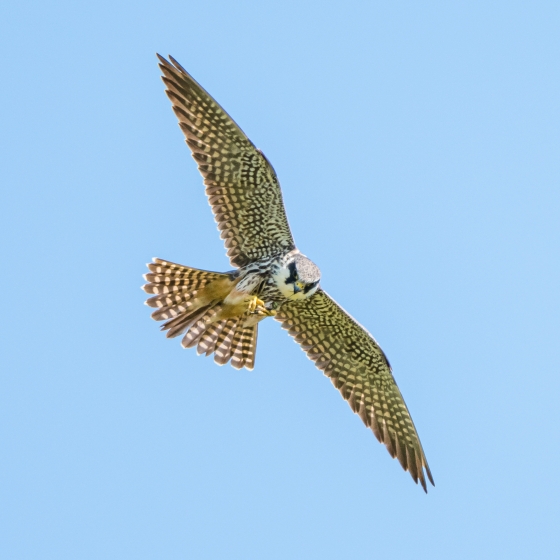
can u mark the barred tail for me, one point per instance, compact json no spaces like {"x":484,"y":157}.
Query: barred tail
{"x":190,"y":300}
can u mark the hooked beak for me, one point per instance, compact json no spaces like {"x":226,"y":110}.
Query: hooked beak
{"x":298,"y":287}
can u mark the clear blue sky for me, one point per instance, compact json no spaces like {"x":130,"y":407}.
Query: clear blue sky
{"x":417,"y":144}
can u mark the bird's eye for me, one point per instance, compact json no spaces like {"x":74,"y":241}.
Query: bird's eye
{"x":309,"y":287}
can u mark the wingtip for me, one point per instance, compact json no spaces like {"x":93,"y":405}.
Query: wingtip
{"x":430,"y":477}
{"x":177,"y":65}
{"x":171,"y":63}
{"x":422,"y":478}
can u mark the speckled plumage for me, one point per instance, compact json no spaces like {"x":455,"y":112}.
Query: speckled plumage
{"x":219,"y":312}
{"x":241,"y":185}
{"x":358,"y":368}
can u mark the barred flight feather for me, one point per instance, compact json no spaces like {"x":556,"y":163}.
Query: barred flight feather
{"x":223,"y":345}
{"x":207,"y":345}
{"x":233,"y":170}
{"x":178,"y":326}
{"x":186,"y":309}
{"x":197,"y":330}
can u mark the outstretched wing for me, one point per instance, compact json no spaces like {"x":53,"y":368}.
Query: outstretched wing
{"x":358,"y":368}
{"x":241,"y":185}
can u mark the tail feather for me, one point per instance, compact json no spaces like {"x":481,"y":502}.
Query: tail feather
{"x":176,"y":283}
{"x":193,"y":335}
{"x":207,"y":343}
{"x":169,"y":277}
{"x":172,"y":311}
{"x":169,"y":269}
{"x":249,"y":345}
{"x":183,"y":322}
{"x":244,"y":355}
{"x":236,"y":350}
{"x":222,"y":354}
{"x":169,"y":300}
{"x":180,"y":299}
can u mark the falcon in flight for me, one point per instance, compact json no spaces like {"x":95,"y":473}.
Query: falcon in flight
{"x":219,"y":312}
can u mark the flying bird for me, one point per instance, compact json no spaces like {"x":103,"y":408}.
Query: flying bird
{"x":219,"y":312}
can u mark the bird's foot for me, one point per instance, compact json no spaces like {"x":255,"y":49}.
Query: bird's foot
{"x":254,"y":302}
{"x":258,"y":307}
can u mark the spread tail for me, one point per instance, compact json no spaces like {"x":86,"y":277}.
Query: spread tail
{"x":189,"y":300}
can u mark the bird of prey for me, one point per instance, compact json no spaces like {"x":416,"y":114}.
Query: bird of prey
{"x":219,"y":312}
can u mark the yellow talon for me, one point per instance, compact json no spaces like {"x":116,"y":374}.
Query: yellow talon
{"x":257,"y":305}
{"x":254,"y":302}
{"x":266,"y":312}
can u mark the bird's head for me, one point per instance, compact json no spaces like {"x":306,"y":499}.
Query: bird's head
{"x":298,"y":278}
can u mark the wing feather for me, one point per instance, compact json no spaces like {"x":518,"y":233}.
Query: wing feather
{"x":242,"y":187}
{"x":358,"y":368}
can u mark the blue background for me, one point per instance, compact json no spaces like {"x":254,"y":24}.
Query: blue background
{"x":417,"y":144}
